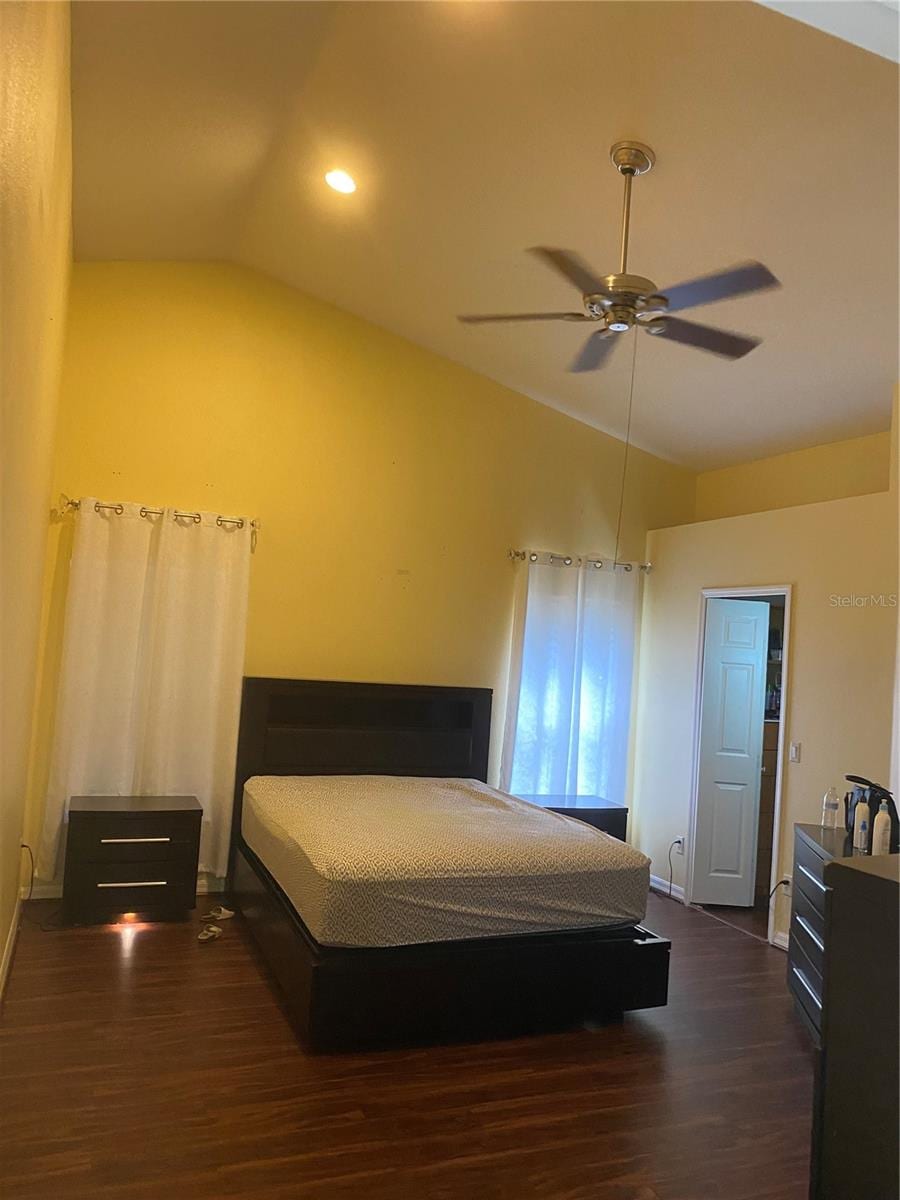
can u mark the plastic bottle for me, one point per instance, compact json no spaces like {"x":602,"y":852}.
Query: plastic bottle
{"x":861,"y":827}
{"x":830,"y":808}
{"x":881,"y":830}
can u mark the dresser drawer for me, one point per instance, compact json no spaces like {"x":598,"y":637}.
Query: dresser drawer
{"x":118,"y":837}
{"x":130,"y":887}
{"x":808,"y":928}
{"x":809,"y":871}
{"x":805,"y":982}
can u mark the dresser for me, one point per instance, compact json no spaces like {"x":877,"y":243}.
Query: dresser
{"x":131,"y":854}
{"x":593,"y":810}
{"x":843,"y":973}
{"x":814,"y":847}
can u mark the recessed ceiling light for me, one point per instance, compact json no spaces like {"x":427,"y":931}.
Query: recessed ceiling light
{"x":340,"y":181}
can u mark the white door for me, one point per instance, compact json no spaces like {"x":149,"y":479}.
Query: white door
{"x":731,"y":730}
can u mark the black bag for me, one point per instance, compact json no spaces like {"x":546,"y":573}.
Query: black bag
{"x":873,"y":794}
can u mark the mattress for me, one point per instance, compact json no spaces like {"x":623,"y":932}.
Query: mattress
{"x":376,"y":860}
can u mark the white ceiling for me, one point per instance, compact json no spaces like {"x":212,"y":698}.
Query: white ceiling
{"x":203,"y":130}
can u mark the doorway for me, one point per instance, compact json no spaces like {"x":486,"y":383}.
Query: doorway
{"x":738,"y":754}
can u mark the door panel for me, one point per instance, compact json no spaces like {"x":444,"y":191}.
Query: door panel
{"x":739,"y":633}
{"x":726,"y":841}
{"x":731,"y":731}
{"x":736,"y":690}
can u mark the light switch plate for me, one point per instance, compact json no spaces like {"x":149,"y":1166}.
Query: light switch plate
{"x":795,"y":752}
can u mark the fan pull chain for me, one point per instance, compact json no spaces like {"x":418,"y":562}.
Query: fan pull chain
{"x":627,"y":443}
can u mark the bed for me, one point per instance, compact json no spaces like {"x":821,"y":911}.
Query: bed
{"x":396,"y":898}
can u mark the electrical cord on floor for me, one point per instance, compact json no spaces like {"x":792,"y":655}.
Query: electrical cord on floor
{"x":672,"y":846}
{"x":25,"y":846}
{"x":52,"y":925}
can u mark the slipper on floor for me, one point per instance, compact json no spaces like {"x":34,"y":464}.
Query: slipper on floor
{"x":209,"y":933}
{"x":219,"y":913}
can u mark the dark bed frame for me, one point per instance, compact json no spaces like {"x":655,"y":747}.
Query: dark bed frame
{"x":340,"y":998}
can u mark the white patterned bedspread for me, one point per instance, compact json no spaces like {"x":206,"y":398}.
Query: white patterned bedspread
{"x":379,"y":860}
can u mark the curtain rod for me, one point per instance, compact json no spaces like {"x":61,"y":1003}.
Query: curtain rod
{"x":569,"y":560}
{"x":67,"y":505}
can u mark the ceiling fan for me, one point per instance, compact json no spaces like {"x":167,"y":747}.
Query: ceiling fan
{"x":617,"y":302}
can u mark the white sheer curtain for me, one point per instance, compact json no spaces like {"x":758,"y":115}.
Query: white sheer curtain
{"x":150,"y":682}
{"x":569,"y":709}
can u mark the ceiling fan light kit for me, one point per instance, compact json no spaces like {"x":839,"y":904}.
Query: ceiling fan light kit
{"x":620,"y":301}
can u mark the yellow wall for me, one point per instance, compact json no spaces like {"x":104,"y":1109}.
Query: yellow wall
{"x":841,"y":660}
{"x":856,"y":467}
{"x":390,"y":483}
{"x":35,"y":237}
{"x":895,"y":492}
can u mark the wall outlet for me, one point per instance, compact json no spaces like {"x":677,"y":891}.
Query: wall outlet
{"x":679,"y":845}
{"x":783,"y":887}
{"x":795,"y":751}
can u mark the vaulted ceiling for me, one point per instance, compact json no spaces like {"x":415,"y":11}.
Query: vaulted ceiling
{"x":474,"y":130}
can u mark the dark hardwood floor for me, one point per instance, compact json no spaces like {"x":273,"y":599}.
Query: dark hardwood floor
{"x":750,"y":920}
{"x":137,"y":1064}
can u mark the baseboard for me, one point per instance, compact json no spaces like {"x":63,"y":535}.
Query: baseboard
{"x":780,"y":940}
{"x":42,"y":891}
{"x":209,"y":884}
{"x":662,"y":885}
{"x":9,"y":948}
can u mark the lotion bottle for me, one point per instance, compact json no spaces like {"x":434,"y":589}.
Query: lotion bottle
{"x":861,"y":827}
{"x":881,"y":830}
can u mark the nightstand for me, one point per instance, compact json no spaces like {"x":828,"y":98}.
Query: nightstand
{"x":134,"y":854}
{"x":593,"y":810}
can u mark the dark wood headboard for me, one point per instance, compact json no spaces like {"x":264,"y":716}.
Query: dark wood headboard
{"x":309,"y":727}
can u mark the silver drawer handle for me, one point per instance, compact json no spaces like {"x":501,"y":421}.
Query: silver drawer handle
{"x":812,"y":879}
{"x":130,"y":841}
{"x":808,"y":930}
{"x":137,"y":883}
{"x":808,"y":986}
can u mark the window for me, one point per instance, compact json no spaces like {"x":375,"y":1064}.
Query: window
{"x":570,"y":683}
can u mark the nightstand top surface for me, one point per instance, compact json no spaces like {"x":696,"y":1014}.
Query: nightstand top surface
{"x":134,"y":804}
{"x":570,"y":801}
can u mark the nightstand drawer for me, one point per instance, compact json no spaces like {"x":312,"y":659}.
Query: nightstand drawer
{"x":113,"y":837}
{"x":613,"y":821}
{"x":605,"y":815}
{"x":131,"y":886}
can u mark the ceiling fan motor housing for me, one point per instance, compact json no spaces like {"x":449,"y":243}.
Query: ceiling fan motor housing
{"x":624,"y":300}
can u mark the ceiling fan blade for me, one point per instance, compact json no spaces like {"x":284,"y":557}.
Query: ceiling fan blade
{"x":736,"y":281}
{"x":479,"y":319}
{"x":571,"y":267}
{"x":705,"y":337}
{"x":595,"y":351}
